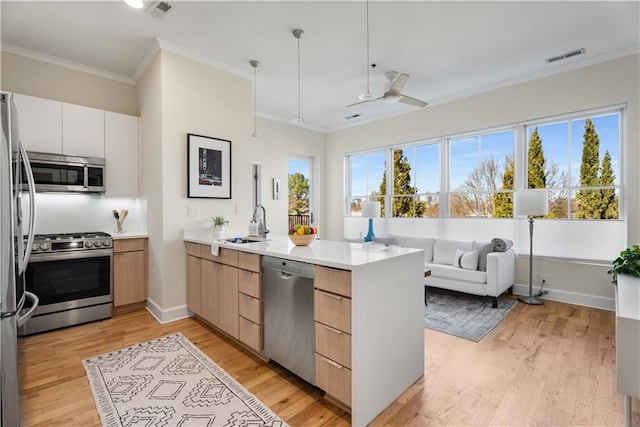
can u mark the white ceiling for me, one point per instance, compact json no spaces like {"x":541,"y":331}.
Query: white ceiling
{"x":451,"y":49}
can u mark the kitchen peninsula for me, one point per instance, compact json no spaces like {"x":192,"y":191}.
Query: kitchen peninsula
{"x":368,"y":310}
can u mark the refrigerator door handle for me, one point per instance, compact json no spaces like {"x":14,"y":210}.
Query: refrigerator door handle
{"x":32,"y":209}
{"x":36,"y":301}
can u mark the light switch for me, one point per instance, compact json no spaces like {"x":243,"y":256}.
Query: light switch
{"x":193,"y":210}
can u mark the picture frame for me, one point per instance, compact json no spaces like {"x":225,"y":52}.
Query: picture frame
{"x":208,"y":167}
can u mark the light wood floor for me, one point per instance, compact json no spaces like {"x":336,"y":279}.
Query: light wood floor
{"x":550,"y":365}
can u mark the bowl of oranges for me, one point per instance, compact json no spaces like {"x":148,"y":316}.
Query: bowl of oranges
{"x":302,"y":235}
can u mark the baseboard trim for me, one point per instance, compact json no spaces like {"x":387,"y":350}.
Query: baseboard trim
{"x":167,"y":315}
{"x":576,"y":298}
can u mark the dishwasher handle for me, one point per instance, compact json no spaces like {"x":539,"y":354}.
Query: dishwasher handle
{"x":284,"y":276}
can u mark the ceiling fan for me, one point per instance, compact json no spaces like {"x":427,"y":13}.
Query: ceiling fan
{"x":392,"y":91}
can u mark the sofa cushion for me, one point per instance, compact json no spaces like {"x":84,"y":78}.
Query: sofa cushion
{"x":483,"y":249}
{"x":425,"y":243}
{"x":459,"y":274}
{"x":444,"y":250}
{"x":389,"y":240}
{"x":466,"y":259}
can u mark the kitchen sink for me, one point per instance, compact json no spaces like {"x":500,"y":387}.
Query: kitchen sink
{"x":245,"y":239}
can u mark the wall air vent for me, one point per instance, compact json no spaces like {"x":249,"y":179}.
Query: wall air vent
{"x":565,"y":55}
{"x":355,"y":116}
{"x":159,"y":10}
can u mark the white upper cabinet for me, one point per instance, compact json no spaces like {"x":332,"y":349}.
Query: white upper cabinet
{"x":82,"y":131}
{"x":121,"y":154}
{"x":40,"y":123}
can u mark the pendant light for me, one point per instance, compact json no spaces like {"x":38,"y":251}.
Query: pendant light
{"x":297,"y":33}
{"x":255,"y":65}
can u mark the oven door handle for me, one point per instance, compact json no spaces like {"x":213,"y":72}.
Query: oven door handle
{"x":36,"y":301}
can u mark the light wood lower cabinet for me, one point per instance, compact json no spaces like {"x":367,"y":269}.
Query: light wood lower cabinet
{"x":129,"y":271}
{"x":332,"y":314}
{"x":225,"y":290}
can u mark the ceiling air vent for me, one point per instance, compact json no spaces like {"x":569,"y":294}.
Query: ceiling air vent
{"x":355,"y":116}
{"x":159,"y":10}
{"x":565,"y":55}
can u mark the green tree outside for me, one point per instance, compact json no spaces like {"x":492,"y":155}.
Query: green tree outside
{"x":403,"y":206}
{"x":298,"y":194}
{"x":589,"y":202}
{"x":536,"y":177}
{"x":503,"y":202}
{"x":608,"y":197}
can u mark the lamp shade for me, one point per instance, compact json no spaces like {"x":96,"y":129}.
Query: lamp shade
{"x":531,"y":203}
{"x":371,"y":209}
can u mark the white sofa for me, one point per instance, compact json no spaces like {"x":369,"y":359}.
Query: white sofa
{"x":463,"y":266}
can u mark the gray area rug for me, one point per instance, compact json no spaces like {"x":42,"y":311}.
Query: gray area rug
{"x":466,"y":316}
{"x":169,"y":382}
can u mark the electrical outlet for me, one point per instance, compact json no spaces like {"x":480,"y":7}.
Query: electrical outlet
{"x":544,"y":278}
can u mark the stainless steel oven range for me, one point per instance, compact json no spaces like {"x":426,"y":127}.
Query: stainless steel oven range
{"x":72,"y":275}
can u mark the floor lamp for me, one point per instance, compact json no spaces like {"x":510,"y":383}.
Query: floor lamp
{"x":531,"y":203}
{"x":370,"y":210}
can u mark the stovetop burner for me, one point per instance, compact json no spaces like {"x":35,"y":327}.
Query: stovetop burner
{"x":47,"y":243}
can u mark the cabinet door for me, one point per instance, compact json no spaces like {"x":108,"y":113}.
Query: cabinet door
{"x":121,"y":154}
{"x":209,"y":277}
{"x":82,"y":131}
{"x":194,"y":285}
{"x":129,"y":278}
{"x":228,"y":300}
{"x":40,"y":123}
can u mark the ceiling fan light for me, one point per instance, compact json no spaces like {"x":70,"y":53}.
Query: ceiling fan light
{"x":391,"y":99}
{"x":136,"y":4}
{"x":367,"y":96}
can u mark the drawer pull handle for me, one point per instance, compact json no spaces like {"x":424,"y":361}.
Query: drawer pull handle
{"x":329,"y":328}
{"x":248,"y":321}
{"x":249,"y":297}
{"x":331,"y":362}
{"x":338,"y":297}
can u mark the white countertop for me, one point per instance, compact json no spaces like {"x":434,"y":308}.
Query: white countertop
{"x":123,"y":236}
{"x":330,"y":253}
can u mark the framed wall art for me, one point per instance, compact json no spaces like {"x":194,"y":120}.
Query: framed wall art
{"x":208,"y":167}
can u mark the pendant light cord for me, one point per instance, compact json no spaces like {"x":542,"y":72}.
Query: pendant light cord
{"x":255,"y":98}
{"x":299,"y":116}
{"x":367,"y":46}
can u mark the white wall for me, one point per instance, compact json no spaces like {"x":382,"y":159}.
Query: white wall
{"x":611,"y":83}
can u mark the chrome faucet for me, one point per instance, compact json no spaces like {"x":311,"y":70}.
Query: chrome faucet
{"x":262,"y":223}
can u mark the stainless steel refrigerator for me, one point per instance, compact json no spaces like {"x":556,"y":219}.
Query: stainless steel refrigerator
{"x":14,"y":256}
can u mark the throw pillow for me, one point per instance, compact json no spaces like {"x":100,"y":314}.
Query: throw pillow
{"x":466,"y":259}
{"x":391,"y":240}
{"x":425,"y":243}
{"x":483,"y":250}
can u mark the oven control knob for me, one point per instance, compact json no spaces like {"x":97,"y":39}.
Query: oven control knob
{"x":88,"y":244}
{"x":35,"y":247}
{"x":45,"y":246}
{"x":105,"y":243}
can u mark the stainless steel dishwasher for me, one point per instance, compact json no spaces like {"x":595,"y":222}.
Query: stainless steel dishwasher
{"x":287,"y":297}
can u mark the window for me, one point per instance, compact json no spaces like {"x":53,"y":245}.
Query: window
{"x":416,"y":176}
{"x":577,"y":159}
{"x":366,"y":174}
{"x":481,"y":175}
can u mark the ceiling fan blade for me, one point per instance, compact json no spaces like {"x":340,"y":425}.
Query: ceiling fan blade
{"x":365,"y":101}
{"x":398,"y":84}
{"x":412,"y":101}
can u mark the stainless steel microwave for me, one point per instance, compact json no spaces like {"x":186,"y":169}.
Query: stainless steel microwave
{"x":59,"y":173}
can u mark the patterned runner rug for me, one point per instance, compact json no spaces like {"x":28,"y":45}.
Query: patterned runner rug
{"x":169,"y":382}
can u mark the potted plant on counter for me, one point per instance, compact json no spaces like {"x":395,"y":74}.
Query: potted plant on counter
{"x":627,"y":266}
{"x":217,"y":226}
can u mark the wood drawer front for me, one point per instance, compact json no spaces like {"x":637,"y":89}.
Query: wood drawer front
{"x":332,"y":310}
{"x":128,"y":245}
{"x":333,"y":280}
{"x":249,"y":261}
{"x":192,"y":249}
{"x":249,"y":307}
{"x":333,"y":378}
{"x":333,"y":344}
{"x":225,"y":256}
{"x":249,"y":283}
{"x":250,"y":333}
